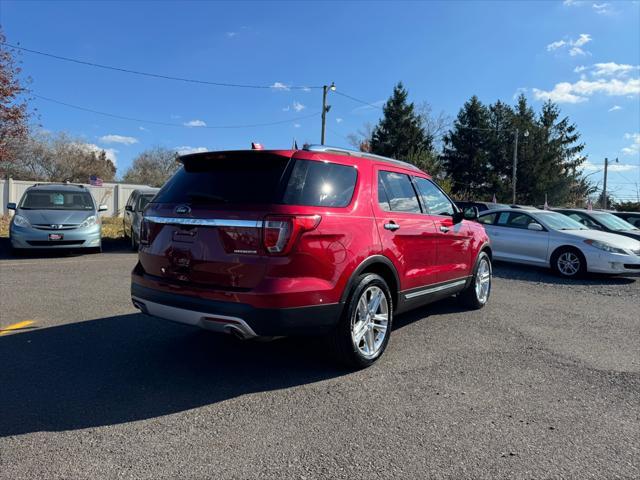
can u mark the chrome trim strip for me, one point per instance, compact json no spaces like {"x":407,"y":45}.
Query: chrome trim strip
{"x":205,"y":222}
{"x":439,"y":288}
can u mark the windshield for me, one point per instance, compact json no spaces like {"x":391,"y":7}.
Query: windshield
{"x":57,"y":200}
{"x":558,"y":221}
{"x":612,"y":222}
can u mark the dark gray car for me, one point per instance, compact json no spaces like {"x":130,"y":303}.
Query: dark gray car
{"x":133,"y":213}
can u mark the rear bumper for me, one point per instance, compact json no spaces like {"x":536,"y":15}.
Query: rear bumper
{"x":232,"y":317}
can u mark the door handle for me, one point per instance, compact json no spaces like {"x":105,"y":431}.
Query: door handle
{"x":444,"y":229}
{"x":391,"y":226}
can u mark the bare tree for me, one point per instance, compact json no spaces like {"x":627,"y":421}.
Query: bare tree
{"x":152,"y":167}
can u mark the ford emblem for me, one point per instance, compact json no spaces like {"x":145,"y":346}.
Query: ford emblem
{"x":183,"y":209}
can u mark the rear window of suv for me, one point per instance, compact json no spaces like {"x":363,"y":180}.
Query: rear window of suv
{"x":260,"y":179}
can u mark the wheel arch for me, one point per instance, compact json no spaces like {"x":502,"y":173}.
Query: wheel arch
{"x":380,"y":265}
{"x":561,"y":248}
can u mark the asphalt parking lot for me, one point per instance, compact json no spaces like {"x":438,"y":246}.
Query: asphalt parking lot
{"x":542,"y":383}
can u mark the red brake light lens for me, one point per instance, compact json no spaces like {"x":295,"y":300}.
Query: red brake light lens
{"x":281,"y":232}
{"x":144,"y":232}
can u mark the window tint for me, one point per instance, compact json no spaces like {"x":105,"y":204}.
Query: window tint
{"x":515,"y":220}
{"x":399,"y":192}
{"x":487,"y":219}
{"x":383,"y":199}
{"x":320,"y":184}
{"x":143,"y":201}
{"x":252,"y":179}
{"x":432,"y":198}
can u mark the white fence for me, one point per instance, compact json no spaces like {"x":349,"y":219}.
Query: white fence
{"x":113,"y":195}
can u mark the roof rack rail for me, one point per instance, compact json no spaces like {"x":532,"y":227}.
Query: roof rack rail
{"x":359,"y":154}
{"x":66,"y":184}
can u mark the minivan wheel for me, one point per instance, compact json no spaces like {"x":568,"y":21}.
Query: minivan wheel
{"x":477,"y":293}
{"x":363,"y":332}
{"x":568,"y":263}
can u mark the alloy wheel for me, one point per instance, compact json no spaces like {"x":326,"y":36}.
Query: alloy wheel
{"x":483,"y":281}
{"x":568,"y":264}
{"x":370,"y":322}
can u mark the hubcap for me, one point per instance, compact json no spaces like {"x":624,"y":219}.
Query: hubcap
{"x":370,"y":322}
{"x":483,"y":281}
{"x":568,"y":264}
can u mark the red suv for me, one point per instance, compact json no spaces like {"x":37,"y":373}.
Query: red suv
{"x":264,"y":243}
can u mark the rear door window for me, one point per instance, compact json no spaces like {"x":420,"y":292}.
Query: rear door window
{"x":320,"y":184}
{"x":396,"y":193}
{"x":487,"y":219}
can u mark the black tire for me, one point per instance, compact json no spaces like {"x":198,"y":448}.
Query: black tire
{"x":134,"y":244}
{"x":340,"y":338}
{"x":470,"y":296}
{"x":563,"y":263}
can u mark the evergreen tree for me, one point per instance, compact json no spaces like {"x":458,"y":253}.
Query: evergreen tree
{"x":500,"y":150}
{"x":400,"y":133}
{"x":466,"y":151}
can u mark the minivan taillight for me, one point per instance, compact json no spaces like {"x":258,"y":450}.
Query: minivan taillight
{"x":144,"y":232}
{"x":281,"y":232}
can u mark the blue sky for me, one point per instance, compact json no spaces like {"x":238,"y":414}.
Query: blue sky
{"x":583,"y":54}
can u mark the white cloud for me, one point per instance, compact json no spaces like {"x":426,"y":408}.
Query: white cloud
{"x":613,"y":167}
{"x":142,"y":129}
{"x":280,"y":86}
{"x":296,"y":125}
{"x":175,"y":117}
{"x":195,"y":123}
{"x":231,"y":34}
{"x":298,"y":107}
{"x":579,"y":91}
{"x":634,"y":148}
{"x":602,"y":8}
{"x":610,"y":69}
{"x":556,"y":45}
{"x":575,"y":51}
{"x":186,"y":150}
{"x":339,"y":120}
{"x":583,"y":39}
{"x":580,"y":68}
{"x":118,"y":139}
{"x":306,"y":89}
{"x":286,"y":109}
{"x":573,"y":45}
{"x":572,"y":3}
{"x":615,"y":107}
{"x":109,"y":152}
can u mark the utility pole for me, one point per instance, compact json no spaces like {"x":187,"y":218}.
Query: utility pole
{"x":515,"y":164}
{"x":604,"y":189}
{"x":325,"y":107}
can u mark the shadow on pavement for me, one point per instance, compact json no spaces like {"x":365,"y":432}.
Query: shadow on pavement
{"x":133,"y":367}
{"x":526,"y":273}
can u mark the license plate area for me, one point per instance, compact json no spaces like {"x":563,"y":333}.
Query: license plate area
{"x":187,"y":235}
{"x":54,"y":237}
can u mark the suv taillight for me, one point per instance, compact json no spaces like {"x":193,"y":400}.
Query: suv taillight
{"x":281,"y":232}
{"x":144,"y":232}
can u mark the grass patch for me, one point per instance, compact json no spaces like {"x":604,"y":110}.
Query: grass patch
{"x":111,"y":227}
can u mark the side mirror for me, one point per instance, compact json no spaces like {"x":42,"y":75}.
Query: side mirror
{"x":458,"y":216}
{"x":11,"y":206}
{"x":129,"y":208}
{"x":103,"y":208}
{"x":471,"y":213}
{"x":536,"y":227}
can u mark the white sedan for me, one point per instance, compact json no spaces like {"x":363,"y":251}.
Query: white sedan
{"x":550,"y":239}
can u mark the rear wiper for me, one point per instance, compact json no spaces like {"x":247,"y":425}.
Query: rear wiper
{"x":207,"y":197}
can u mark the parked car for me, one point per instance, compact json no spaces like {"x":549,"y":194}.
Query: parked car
{"x":481,"y":206}
{"x":551,"y":239}
{"x":313,"y":241}
{"x":631,"y":217}
{"x":56,"y":216}
{"x":600,"y":220}
{"x":133,"y":213}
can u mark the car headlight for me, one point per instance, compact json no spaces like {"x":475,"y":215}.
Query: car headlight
{"x":92,"y":220}
{"x":20,"y":221}
{"x":605,"y":246}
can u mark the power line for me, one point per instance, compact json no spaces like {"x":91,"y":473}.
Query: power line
{"x":167,"y":124}
{"x":338,"y":92}
{"x":275,"y":86}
